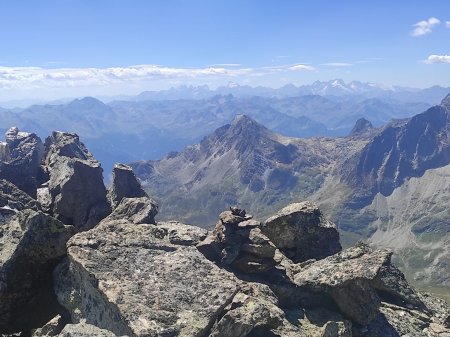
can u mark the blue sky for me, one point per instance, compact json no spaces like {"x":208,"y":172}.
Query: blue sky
{"x":66,"y":48}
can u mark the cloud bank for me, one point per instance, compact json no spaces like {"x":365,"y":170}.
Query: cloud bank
{"x":36,"y":77}
{"x":425,"y":27}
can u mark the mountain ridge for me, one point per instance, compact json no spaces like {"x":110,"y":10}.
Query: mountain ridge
{"x":122,"y":130}
{"x":335,"y":87}
{"x":343,"y":175}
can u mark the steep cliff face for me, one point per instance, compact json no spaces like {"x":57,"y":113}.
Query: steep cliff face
{"x":400,"y":151}
{"x":413,"y":221}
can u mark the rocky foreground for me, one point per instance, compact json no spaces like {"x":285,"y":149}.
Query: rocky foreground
{"x":77,"y":259}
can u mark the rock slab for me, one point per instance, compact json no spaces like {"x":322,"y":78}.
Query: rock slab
{"x":143,"y":280}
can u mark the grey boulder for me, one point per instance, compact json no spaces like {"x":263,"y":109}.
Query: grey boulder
{"x":355,"y":279}
{"x":301,"y":232}
{"x":20,"y":159}
{"x":143,"y":280}
{"x":136,"y":210}
{"x":255,"y":311}
{"x":63,"y":144}
{"x":124,"y":185}
{"x":51,"y":328}
{"x":77,"y":192}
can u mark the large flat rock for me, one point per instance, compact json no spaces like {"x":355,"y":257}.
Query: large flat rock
{"x":143,"y":280}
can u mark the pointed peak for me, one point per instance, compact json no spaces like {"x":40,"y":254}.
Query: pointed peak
{"x":244,"y":121}
{"x":241,"y":118}
{"x":87,"y":101}
{"x":362,"y":125}
{"x":242,"y":125}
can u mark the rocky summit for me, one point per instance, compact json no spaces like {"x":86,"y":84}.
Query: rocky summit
{"x":79,"y":259}
{"x":386,"y":184}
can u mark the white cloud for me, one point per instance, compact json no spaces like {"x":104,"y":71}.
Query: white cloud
{"x":437,"y":59}
{"x":447,"y":24}
{"x":338,"y":64}
{"x":425,"y":27}
{"x":302,"y":67}
{"x":18,"y":77}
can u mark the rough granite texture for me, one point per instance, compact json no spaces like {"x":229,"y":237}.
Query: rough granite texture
{"x":146,"y":280}
{"x":77,"y":192}
{"x":12,"y":200}
{"x":354,"y":279}
{"x":63,"y":144}
{"x":84,"y":330}
{"x":301,"y":232}
{"x":20,"y":159}
{"x":124,"y":185}
{"x":136,"y":210}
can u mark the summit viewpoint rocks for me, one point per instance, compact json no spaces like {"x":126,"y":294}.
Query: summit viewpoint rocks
{"x":78,"y":259}
{"x":388,"y":184}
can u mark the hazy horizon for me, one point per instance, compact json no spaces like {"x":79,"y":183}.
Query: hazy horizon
{"x":107,"y":48}
{"x":28,"y":101}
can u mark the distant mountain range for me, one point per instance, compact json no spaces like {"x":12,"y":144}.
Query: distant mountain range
{"x":389,"y":184}
{"x":144,"y":128}
{"x":337,"y":88}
